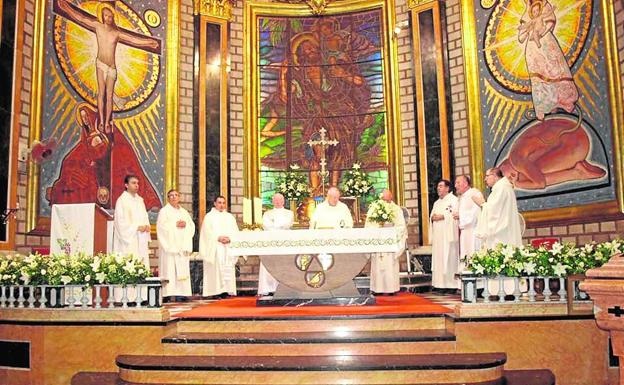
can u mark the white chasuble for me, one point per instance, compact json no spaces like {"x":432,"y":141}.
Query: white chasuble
{"x":385,"y":267}
{"x":174,"y":247}
{"x":499,"y":220}
{"x":331,"y":217}
{"x":444,"y":244}
{"x":130,"y":213}
{"x":219,"y":271}
{"x":275,"y":219}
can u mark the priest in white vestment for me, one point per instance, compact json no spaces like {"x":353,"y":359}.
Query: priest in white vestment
{"x":467,"y":215}
{"x":499,"y":221}
{"x":278,"y":218}
{"x":131,"y":226}
{"x":443,"y":232}
{"x":331,"y":214}
{"x":175,"y":230}
{"x":385,"y":268}
{"x":219,"y":267}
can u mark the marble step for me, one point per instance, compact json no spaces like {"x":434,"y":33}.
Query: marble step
{"x":304,"y":370}
{"x":510,"y":377}
{"x":316,"y":324}
{"x":311,"y":343}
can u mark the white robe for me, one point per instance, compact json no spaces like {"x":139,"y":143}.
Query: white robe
{"x":219,"y":271}
{"x":499,"y":220}
{"x":174,"y":246}
{"x":468,"y":216}
{"x":274,"y":219}
{"x":385,"y":267}
{"x":444,"y":247}
{"x":331,"y":217}
{"x":130,"y":213}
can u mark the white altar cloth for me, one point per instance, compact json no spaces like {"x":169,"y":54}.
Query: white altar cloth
{"x":336,"y":241}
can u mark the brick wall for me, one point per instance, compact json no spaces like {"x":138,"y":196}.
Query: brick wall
{"x":408,"y":122}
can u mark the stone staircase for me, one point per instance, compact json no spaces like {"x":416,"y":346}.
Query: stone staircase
{"x":412,"y":349}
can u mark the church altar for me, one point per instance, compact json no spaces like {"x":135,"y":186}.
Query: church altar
{"x":317,"y":264}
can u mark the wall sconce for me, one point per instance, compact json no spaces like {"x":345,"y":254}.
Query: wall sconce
{"x":8,"y":214}
{"x":398,"y":27}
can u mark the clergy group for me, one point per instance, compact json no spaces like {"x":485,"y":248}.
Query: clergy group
{"x":175,"y":231}
{"x":460,"y":225}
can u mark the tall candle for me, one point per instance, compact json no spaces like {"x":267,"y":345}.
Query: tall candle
{"x":247,"y":213}
{"x":257,"y":207}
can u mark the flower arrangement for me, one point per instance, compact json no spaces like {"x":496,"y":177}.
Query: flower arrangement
{"x":561,"y":260}
{"x":293,"y":185}
{"x":76,"y":269}
{"x":356,"y":182}
{"x":252,"y":227}
{"x":380,"y":212}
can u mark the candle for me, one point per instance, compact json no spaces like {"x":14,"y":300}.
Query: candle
{"x":257,"y":207}
{"x":247,"y":218}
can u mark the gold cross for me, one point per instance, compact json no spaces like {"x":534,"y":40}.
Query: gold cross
{"x":324,"y":143}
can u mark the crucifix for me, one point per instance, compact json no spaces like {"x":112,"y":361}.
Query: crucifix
{"x":323,"y":142}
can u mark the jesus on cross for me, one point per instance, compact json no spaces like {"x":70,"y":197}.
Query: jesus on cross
{"x":108,"y":34}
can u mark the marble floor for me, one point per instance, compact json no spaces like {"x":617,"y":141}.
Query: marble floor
{"x":174,"y":308}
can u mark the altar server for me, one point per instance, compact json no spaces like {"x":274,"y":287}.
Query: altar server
{"x":275,"y":219}
{"x":467,"y":215}
{"x":443,"y":232}
{"x":499,"y":221}
{"x":175,"y":230}
{"x":131,"y":226}
{"x":384,"y":275}
{"x":219,"y":268}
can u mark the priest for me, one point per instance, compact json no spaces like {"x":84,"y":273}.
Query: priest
{"x":331,"y":214}
{"x":384,"y":275}
{"x":467,"y":215}
{"x":219,"y":267}
{"x":275,"y":219}
{"x":499,"y":221}
{"x":175,"y":230}
{"x":443,"y":232}
{"x":131,"y":226}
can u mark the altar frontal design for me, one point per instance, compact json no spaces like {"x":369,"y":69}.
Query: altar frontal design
{"x":542,"y":108}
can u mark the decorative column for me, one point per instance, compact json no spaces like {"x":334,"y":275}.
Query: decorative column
{"x":432,"y":118}
{"x":605,"y":286}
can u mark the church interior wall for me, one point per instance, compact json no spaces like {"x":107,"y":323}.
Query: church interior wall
{"x":579,"y":230}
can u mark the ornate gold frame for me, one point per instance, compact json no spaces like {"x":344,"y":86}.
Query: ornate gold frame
{"x":433,"y":5}
{"x":15,"y":126}
{"x":254,"y":9}
{"x":201,"y":118}
{"x":41,"y":225}
{"x":601,"y":210}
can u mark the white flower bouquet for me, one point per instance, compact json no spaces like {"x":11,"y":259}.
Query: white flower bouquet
{"x":561,"y":260}
{"x":75,"y":269}
{"x":293,"y":185}
{"x":380,"y":212}
{"x":356,"y":182}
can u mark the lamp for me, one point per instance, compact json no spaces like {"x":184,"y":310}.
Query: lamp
{"x":8,"y":213}
{"x":398,"y":27}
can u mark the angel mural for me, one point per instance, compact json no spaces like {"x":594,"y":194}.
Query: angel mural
{"x":119,"y":73}
{"x":554,"y":146}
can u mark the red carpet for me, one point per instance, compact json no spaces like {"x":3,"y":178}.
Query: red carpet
{"x":241,"y":307}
